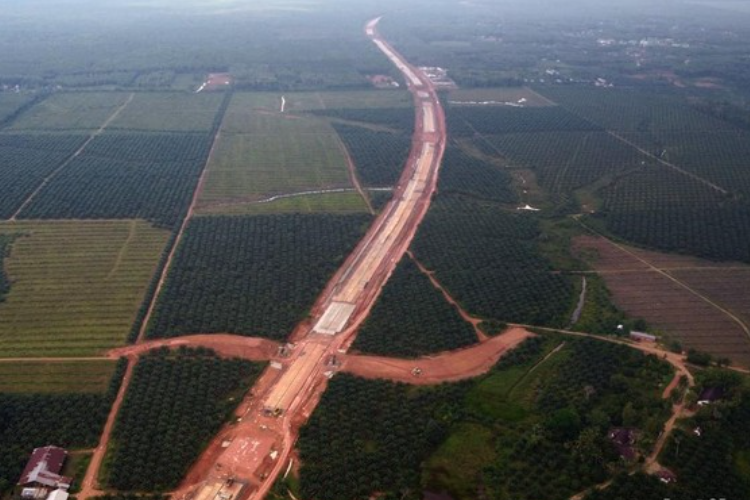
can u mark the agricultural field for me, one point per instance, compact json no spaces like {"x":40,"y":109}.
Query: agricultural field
{"x":465,"y":121}
{"x":124,"y":176}
{"x":198,"y":390}
{"x":361,"y":99}
{"x":661,"y":208}
{"x":345,"y":201}
{"x":25,"y":160}
{"x":394,"y":119}
{"x":633,"y":110}
{"x":473,"y":437}
{"x":643,"y":292}
{"x":412,"y":318}
{"x":507,"y":96}
{"x":58,"y":377}
{"x":488,"y":259}
{"x":73,"y":420}
{"x":169,"y":112}
{"x":71,"y":111}
{"x":255,"y":275}
{"x":379,"y":156}
{"x":260,"y":155}
{"x":467,"y":175}
{"x":75,"y":287}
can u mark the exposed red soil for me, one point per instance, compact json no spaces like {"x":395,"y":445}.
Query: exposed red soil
{"x":445,"y":367}
{"x":251,"y":348}
{"x":218,"y":81}
{"x":89,"y":485}
{"x":475,"y":322}
{"x":651,"y":288}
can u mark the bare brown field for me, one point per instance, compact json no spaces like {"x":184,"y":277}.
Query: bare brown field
{"x":690,"y":299}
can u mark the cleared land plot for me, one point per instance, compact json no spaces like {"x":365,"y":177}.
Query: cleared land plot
{"x":411,"y":318}
{"x":309,"y":101}
{"x":48,"y":377}
{"x":255,"y":276}
{"x":642,"y":292}
{"x":124,"y":176}
{"x":729,"y":287}
{"x":25,"y":160}
{"x":498,"y":97}
{"x":344,"y":202}
{"x":169,"y":111}
{"x":274,"y":155}
{"x":75,"y":286}
{"x":71,"y":111}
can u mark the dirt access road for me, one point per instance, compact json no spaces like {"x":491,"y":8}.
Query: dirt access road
{"x":254,"y":450}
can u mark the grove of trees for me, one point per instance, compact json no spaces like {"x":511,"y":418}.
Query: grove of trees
{"x":252,"y":275}
{"x":488,"y":259}
{"x":412,"y":318}
{"x":378,"y":155}
{"x":175,"y":403}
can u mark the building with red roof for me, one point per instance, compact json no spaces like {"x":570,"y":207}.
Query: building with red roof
{"x":43,"y":469}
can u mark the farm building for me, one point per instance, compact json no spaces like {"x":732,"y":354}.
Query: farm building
{"x":43,"y":469}
{"x":642,"y":337}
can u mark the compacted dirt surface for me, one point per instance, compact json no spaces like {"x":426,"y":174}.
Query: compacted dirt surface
{"x":444,"y":367}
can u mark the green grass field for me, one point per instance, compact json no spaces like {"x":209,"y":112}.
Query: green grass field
{"x":260,"y":155}
{"x":56,"y":377}
{"x":308,"y":101}
{"x":336,"y":203}
{"x":71,"y":111}
{"x":75,"y":286}
{"x":169,"y":111}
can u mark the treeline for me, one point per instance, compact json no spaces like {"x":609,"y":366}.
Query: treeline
{"x":412,"y":318}
{"x":379,"y":156}
{"x":176,"y":402}
{"x":489,"y":260}
{"x":255,"y":275}
{"x":29,"y":421}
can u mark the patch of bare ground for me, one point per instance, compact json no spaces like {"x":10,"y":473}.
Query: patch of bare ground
{"x":445,"y":367}
{"x":231,"y":346}
{"x":673,"y":294}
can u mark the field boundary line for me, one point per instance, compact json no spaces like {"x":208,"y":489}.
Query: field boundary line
{"x":539,"y":363}
{"x":622,"y":248}
{"x":674,"y":167}
{"x":91,"y":478}
{"x":132,"y":230}
{"x":185,"y":221}
{"x":72,"y":157}
{"x":352,"y":170}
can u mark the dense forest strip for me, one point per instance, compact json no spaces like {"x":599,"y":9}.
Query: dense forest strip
{"x":156,"y":286}
{"x":75,"y":155}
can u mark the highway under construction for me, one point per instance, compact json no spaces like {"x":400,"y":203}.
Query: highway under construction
{"x":255,"y":450}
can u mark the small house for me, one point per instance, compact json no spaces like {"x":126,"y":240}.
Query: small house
{"x":710,"y":395}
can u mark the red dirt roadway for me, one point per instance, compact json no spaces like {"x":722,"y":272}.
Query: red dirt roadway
{"x":254,"y":450}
